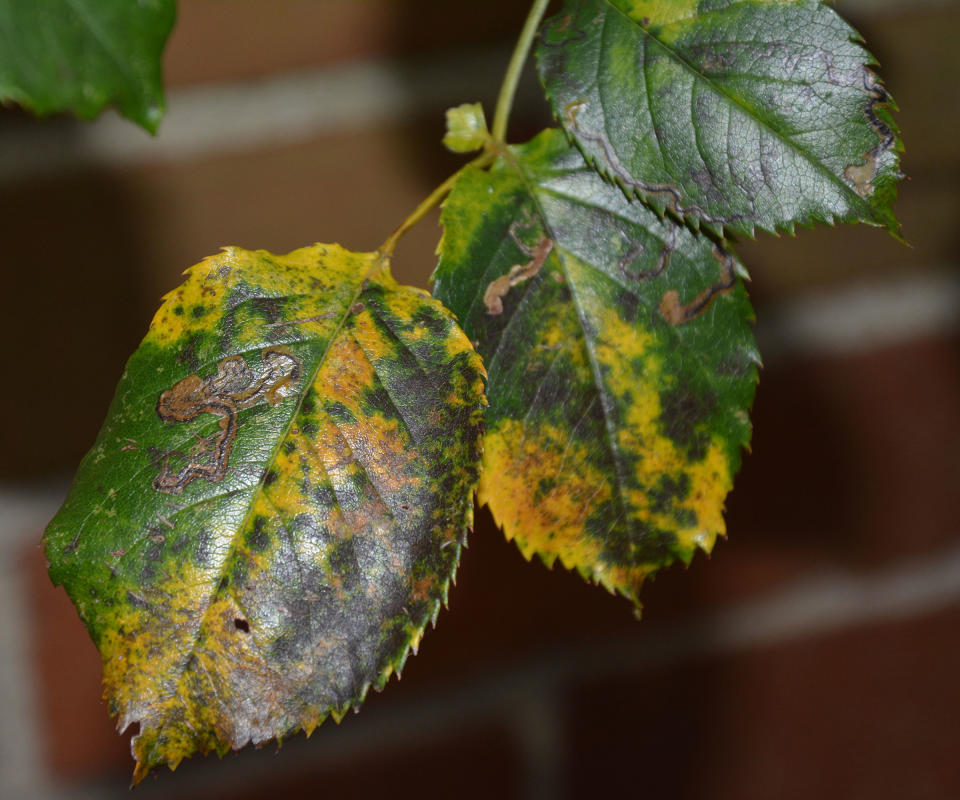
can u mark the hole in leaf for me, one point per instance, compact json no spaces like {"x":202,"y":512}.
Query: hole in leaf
{"x":242,"y":625}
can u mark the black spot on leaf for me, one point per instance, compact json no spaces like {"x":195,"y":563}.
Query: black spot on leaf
{"x":343,"y":562}
{"x":341,"y":413}
{"x":669,"y":489}
{"x":433,"y":320}
{"x":257,"y":537}
{"x":685,"y":415}
{"x":270,"y":308}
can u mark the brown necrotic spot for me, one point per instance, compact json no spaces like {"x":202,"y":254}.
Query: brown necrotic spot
{"x":202,"y":546}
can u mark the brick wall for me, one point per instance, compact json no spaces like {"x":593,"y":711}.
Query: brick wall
{"x":814,"y":655}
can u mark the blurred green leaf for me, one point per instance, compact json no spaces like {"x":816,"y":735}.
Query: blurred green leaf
{"x":84,"y":55}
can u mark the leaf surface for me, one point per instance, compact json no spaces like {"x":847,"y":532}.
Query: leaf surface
{"x":620,"y":357}
{"x":83,"y":55}
{"x":275,"y":506}
{"x":734,"y":113}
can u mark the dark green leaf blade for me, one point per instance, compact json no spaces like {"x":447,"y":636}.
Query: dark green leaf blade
{"x":83,"y":55}
{"x":275,"y":506}
{"x":620,"y":357}
{"x":736,"y":114}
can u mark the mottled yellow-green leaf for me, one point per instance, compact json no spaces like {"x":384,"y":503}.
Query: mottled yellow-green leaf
{"x":275,"y":506}
{"x":620,"y":357}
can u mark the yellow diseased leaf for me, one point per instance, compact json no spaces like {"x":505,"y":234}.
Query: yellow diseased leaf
{"x":621,"y":365}
{"x":275,"y":506}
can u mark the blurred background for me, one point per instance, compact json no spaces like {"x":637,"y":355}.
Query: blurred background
{"x":815,"y":654}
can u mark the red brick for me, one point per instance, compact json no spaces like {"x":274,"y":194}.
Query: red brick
{"x":471,"y":762}
{"x":854,"y":456}
{"x":79,"y":738}
{"x":215,"y":40}
{"x":863,"y":714}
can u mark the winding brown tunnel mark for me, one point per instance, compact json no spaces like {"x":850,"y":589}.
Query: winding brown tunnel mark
{"x":671,"y":196}
{"x":663,"y":258}
{"x":862,"y":175}
{"x":675,"y":313}
{"x":498,"y":287}
{"x":233,"y":387}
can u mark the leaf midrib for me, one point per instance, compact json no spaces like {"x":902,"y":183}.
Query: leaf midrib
{"x":533,"y":189}
{"x":594,"y":365}
{"x":258,"y":488}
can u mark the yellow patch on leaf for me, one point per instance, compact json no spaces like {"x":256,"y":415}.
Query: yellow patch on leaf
{"x":544,"y":484}
{"x":517,"y":460}
{"x":659,"y":12}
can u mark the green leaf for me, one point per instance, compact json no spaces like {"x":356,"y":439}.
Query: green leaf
{"x":620,"y":357}
{"x":734,"y":113}
{"x":275,"y":506}
{"x":83,"y":55}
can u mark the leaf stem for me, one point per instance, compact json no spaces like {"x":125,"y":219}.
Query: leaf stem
{"x":435,"y":197}
{"x":508,"y":90}
{"x":509,"y":86}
